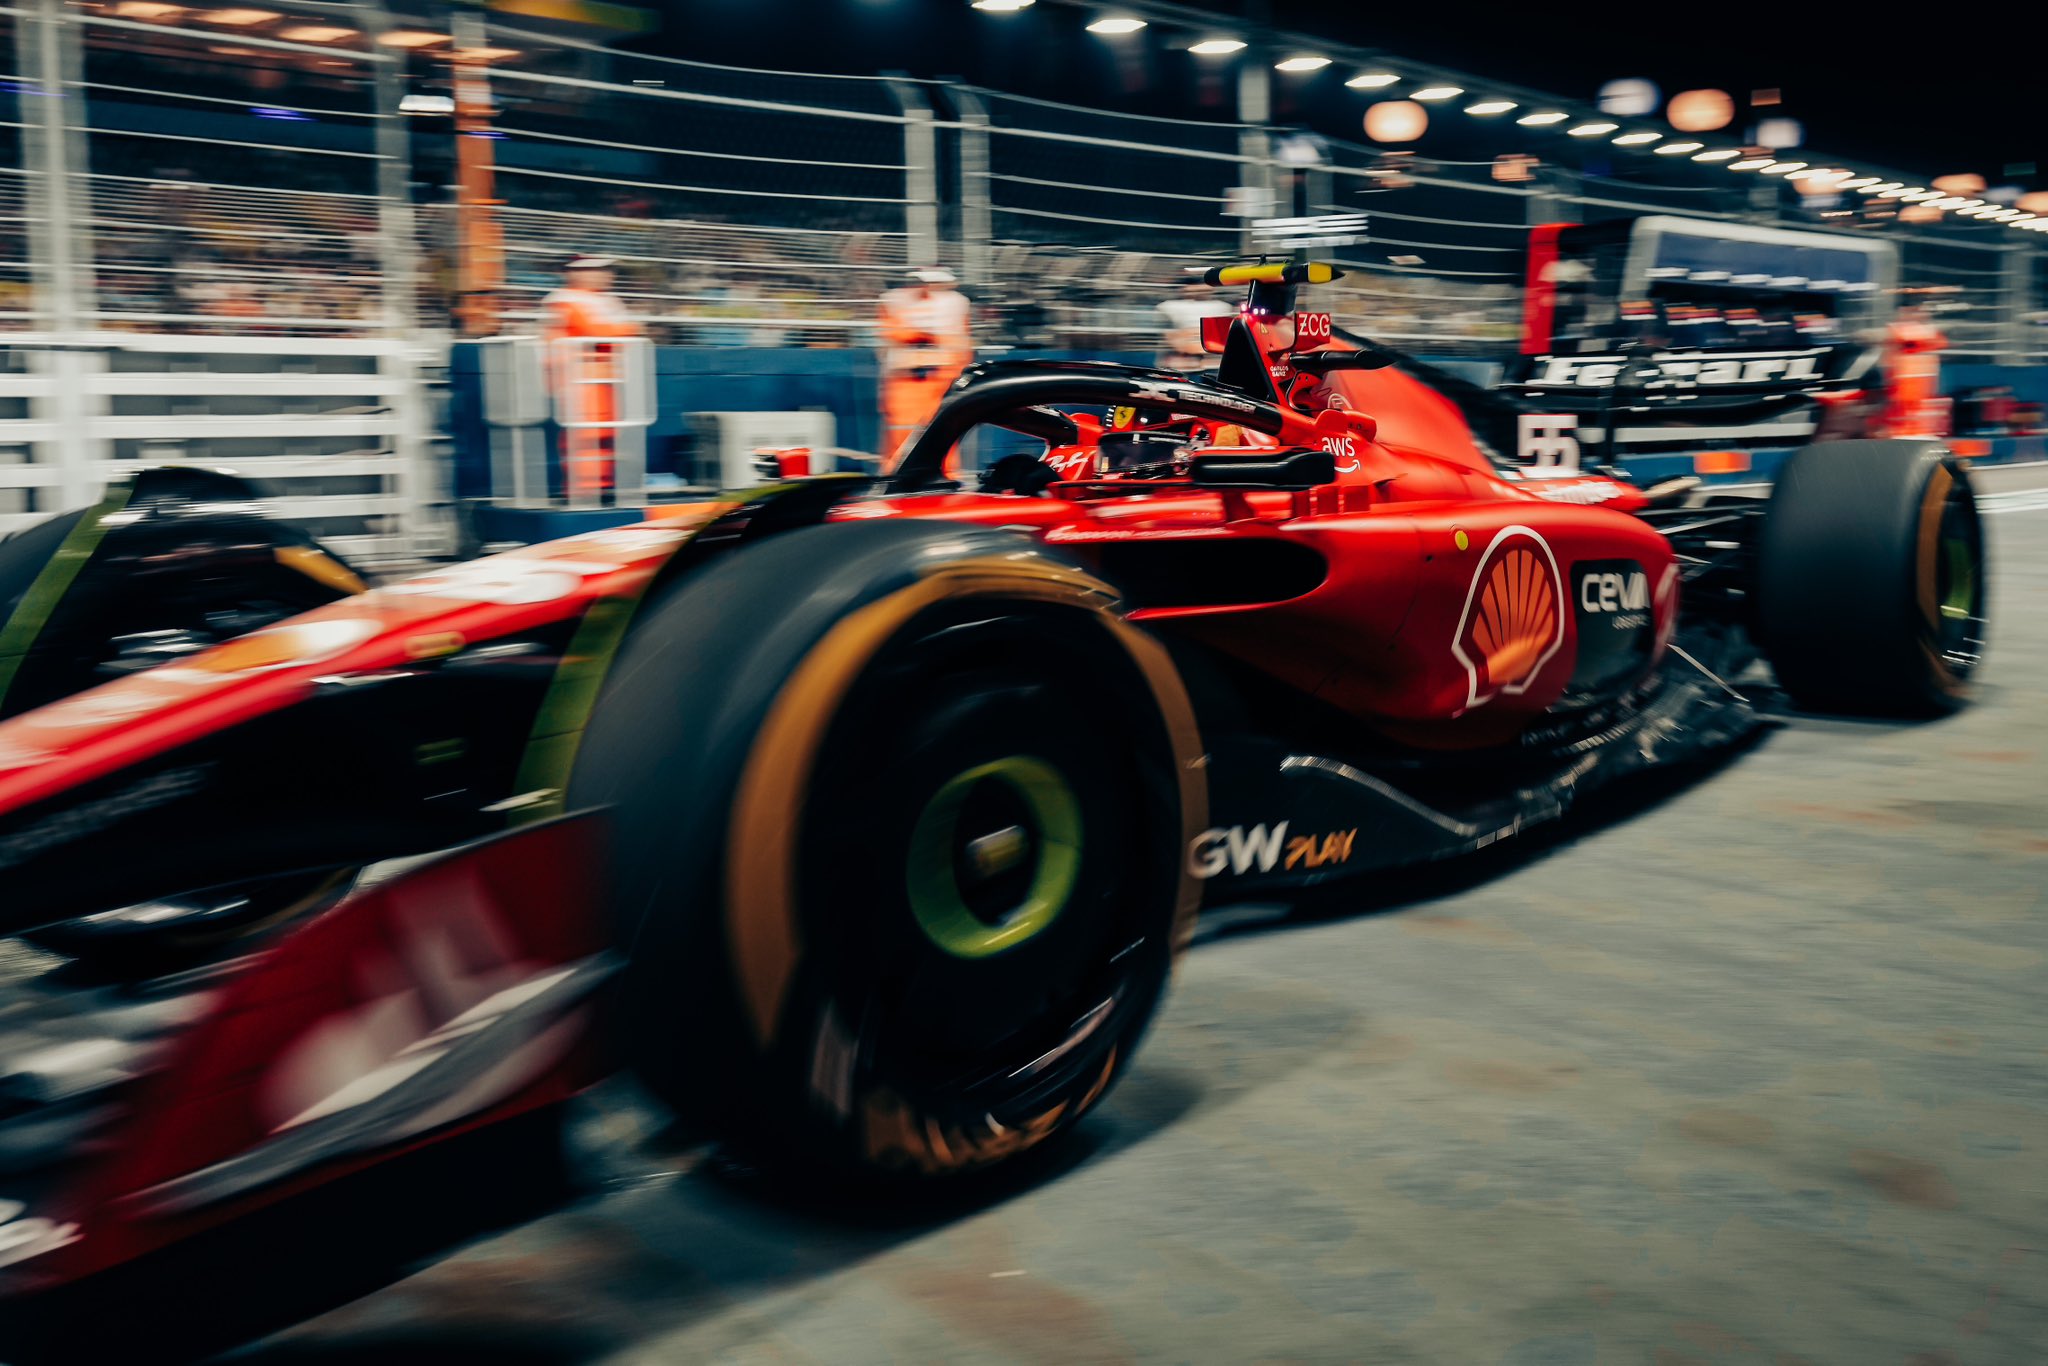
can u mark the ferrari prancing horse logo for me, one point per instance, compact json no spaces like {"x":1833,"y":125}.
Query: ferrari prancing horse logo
{"x":1514,"y":616}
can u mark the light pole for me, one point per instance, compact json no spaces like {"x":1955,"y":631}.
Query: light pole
{"x":480,"y":237}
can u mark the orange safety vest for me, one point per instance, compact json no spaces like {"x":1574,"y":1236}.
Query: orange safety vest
{"x":1912,"y":376}
{"x":581,"y":380}
{"x":925,"y":333}
{"x":926,"y":343}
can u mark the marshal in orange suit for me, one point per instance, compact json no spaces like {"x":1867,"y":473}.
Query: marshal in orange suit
{"x":926,"y":344}
{"x":584,"y":379}
{"x":1912,"y":374}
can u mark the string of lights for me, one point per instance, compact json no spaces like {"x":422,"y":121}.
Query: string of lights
{"x":1407,"y":91}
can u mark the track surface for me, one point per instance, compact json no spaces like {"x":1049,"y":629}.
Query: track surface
{"x":1756,"y":1074}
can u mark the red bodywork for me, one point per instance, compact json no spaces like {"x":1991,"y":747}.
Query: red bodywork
{"x":1411,"y":530}
{"x":1444,"y":617}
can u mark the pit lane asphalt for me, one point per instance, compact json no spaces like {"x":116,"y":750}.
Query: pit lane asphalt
{"x":1755,"y":1074}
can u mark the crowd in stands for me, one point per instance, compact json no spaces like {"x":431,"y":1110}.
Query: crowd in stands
{"x":176,"y":253}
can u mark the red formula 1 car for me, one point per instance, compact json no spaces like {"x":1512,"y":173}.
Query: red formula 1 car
{"x":863,"y":821}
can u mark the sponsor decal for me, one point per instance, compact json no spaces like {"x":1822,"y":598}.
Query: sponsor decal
{"x":1673,"y":370}
{"x":1163,"y":392}
{"x":1611,"y":600}
{"x":1122,"y":417}
{"x":1077,"y":463}
{"x":1544,"y":441}
{"x":1345,"y":449}
{"x":1317,"y":851}
{"x":1513,"y":620}
{"x":1236,"y":850}
{"x":1311,"y":327}
{"x":1625,"y":596}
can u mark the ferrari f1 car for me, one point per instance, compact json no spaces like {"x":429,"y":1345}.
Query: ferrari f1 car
{"x":862,"y":819}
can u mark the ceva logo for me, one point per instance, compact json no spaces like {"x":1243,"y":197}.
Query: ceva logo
{"x":1614,"y":592}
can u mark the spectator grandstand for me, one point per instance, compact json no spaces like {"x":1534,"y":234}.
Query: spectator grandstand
{"x":240,"y":183}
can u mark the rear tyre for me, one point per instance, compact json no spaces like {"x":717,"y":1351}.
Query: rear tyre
{"x":1871,"y":578}
{"x":897,"y":813}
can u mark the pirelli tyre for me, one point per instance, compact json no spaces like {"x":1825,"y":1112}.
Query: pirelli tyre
{"x":897,"y":815}
{"x":1871,"y":586}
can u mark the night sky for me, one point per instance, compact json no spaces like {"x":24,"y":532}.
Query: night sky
{"x":1945,"y":98}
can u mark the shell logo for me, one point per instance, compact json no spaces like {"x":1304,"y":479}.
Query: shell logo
{"x":1513,"y":620}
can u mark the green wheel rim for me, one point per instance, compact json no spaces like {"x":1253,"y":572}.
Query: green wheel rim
{"x":1962,"y":579}
{"x":1958,"y":589}
{"x":934,"y":888}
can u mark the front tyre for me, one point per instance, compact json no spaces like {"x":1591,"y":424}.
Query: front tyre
{"x":898,"y":815}
{"x":1871,"y":578}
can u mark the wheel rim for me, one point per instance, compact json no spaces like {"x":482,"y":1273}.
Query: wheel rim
{"x":994,"y":856}
{"x":1958,"y":596}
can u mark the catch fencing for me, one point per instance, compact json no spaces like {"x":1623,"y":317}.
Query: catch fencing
{"x":208,"y":257}
{"x":746,"y":208}
{"x":163,"y":175}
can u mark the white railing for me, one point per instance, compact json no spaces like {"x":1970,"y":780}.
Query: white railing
{"x":328,"y":428}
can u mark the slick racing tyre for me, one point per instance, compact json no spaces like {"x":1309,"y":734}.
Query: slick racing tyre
{"x":1871,"y":578}
{"x":897,"y":813}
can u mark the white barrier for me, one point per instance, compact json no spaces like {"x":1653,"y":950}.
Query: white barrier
{"x":332,"y":429}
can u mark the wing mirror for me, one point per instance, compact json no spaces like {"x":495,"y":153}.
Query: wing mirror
{"x":1291,"y":470}
{"x":1216,"y":332}
{"x":1339,"y":430}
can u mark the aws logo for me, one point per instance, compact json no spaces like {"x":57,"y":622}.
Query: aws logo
{"x":1345,"y":449}
{"x":1513,"y":620}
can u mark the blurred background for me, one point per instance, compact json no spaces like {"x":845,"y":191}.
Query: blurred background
{"x":288,"y":236}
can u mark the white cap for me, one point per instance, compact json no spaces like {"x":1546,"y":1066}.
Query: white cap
{"x":933,"y":275}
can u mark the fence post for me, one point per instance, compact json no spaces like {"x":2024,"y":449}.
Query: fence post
{"x":2016,"y":278}
{"x":1553,"y":200}
{"x":920,"y":175}
{"x":1255,"y":171}
{"x":976,"y":212}
{"x":60,"y":245}
{"x":396,"y":236}
{"x":418,"y":482}
{"x":480,"y":239}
